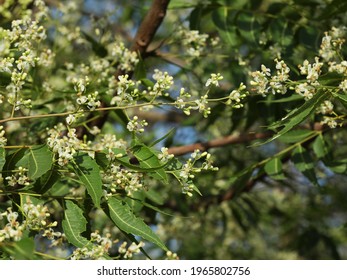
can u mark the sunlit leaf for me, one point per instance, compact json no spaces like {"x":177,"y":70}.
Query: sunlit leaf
{"x":126,"y":221}
{"x":88,"y":172}
{"x":40,"y":161}
{"x":148,"y":159}
{"x":74,"y":224}
{"x":320,"y":147}
{"x":274,"y":169}
{"x":298,"y":115}
{"x":295,"y":136}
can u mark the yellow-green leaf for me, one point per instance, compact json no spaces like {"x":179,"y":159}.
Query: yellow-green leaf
{"x":126,"y":221}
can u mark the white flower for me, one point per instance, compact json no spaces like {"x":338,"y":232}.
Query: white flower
{"x":214,"y":80}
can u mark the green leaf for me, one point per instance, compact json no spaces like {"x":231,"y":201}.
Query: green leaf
{"x":171,"y":131}
{"x":74,"y":224}
{"x":304,"y":163}
{"x":88,"y":172}
{"x":320,"y":147}
{"x":248,"y":26}
{"x":224,"y":20}
{"x":148,"y":159}
{"x":2,"y":157}
{"x":102,"y":160}
{"x":154,"y":196}
{"x":333,"y":9}
{"x":11,"y":161}
{"x":21,"y":250}
{"x":97,"y":47}
{"x":296,"y":136}
{"x":297,"y":116}
{"x":13,"y":158}
{"x":126,"y":221}
{"x":274,"y":169}
{"x":40,"y":161}
{"x":342,"y":97}
{"x":47,"y":181}
{"x":140,"y":70}
{"x":293,"y":97}
{"x":337,"y":166}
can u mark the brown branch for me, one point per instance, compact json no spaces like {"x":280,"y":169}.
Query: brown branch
{"x":149,"y":26}
{"x":143,"y":38}
{"x":219,"y":142}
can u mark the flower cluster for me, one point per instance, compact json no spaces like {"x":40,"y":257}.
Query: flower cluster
{"x":171,"y":256}
{"x":330,"y":59}
{"x":20,"y":53}
{"x":91,"y":100}
{"x":184,"y":102}
{"x":35,"y":219}
{"x":193,"y":42}
{"x":237,"y":95}
{"x":189,"y":169}
{"x":108,"y":143}
{"x":64,"y":145}
{"x":125,"y":90}
{"x":163,"y":82}
{"x":3,"y":140}
{"x":127,"y":253}
{"x":19,"y":178}
{"x":118,"y":178}
{"x":125,"y":59}
{"x":332,"y":43}
{"x":214,"y":80}
{"x":13,"y":230}
{"x":264,"y":83}
{"x":135,"y":125}
{"x":164,"y":156}
{"x":95,"y":250}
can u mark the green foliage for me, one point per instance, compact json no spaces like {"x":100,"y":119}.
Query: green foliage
{"x":74,"y":224}
{"x":126,"y":221}
{"x":98,"y":139}
{"x":88,"y":172}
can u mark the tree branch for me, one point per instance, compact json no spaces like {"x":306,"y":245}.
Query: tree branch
{"x":149,"y":26}
{"x":219,"y":142}
{"x":143,"y":38}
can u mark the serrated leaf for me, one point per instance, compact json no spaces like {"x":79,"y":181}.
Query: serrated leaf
{"x":148,"y":159}
{"x":88,"y":172}
{"x":274,"y":169}
{"x":74,"y":224}
{"x":126,"y":221}
{"x":297,"y":116}
{"x":296,"y":136}
{"x":2,"y":157}
{"x":40,"y":161}
{"x":304,"y":163}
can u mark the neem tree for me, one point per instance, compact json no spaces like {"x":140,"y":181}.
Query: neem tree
{"x":111,"y":113}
